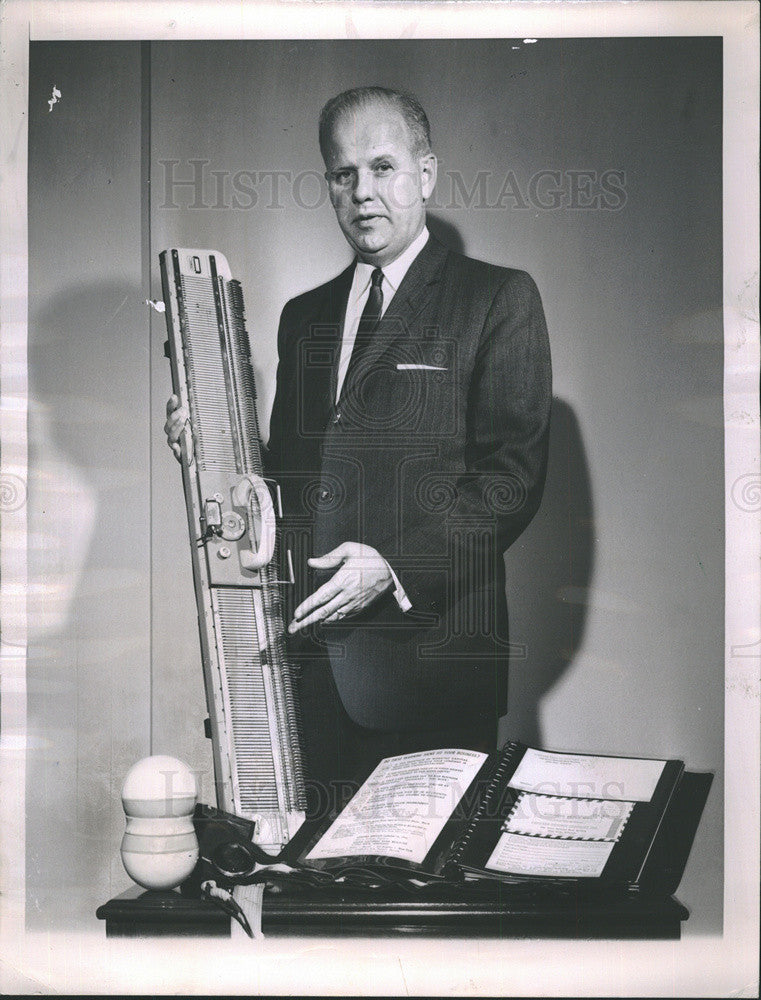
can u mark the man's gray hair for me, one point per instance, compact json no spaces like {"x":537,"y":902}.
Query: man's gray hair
{"x":406,"y":104}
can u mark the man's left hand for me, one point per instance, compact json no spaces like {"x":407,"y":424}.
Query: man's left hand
{"x":362,"y":574}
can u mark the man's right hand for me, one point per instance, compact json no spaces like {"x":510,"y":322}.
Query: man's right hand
{"x":177,"y":420}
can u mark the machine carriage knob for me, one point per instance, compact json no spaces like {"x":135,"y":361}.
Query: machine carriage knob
{"x":233,"y":526}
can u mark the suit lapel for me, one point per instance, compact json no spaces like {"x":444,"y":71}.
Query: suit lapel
{"x":323,"y":343}
{"x":411,"y":296}
{"x":334,"y":298}
{"x":417,"y":285}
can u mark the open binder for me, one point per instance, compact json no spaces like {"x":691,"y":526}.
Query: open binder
{"x":518,"y":816}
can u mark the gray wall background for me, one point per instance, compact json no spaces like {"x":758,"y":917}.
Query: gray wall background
{"x":617,"y":588}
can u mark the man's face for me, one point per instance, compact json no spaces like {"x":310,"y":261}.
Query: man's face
{"x":378,"y":185}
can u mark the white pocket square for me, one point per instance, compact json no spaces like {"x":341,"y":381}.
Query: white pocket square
{"x":419,"y":368}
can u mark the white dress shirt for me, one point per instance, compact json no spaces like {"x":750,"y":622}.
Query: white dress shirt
{"x":358,"y":293}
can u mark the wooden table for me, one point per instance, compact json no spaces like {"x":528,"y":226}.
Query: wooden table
{"x":445,"y":912}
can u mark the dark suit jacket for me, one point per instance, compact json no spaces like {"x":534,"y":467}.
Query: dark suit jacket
{"x":435,"y":455}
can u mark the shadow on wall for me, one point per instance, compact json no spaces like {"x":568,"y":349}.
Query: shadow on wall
{"x":443,"y":230}
{"x":88,"y":567}
{"x":549,"y":570}
{"x":88,"y":392}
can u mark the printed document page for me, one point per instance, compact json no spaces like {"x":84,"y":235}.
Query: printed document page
{"x":574,"y":819}
{"x":402,"y":807}
{"x":518,"y":855}
{"x":588,"y":777}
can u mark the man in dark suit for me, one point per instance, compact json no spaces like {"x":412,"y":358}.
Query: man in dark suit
{"x":409,"y":437}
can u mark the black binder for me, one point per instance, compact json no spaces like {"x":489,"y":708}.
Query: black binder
{"x":467,"y":841}
{"x":628,"y":861}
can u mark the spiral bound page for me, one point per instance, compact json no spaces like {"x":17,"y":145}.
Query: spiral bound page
{"x":588,"y":776}
{"x":518,"y":855}
{"x":571,"y":819}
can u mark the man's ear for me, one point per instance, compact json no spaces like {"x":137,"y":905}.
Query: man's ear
{"x":326,"y":175}
{"x":428,"y":167}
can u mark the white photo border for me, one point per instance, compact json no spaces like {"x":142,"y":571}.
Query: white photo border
{"x":711,"y":966}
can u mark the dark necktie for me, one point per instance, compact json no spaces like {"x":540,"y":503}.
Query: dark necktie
{"x":373,"y":307}
{"x":368,"y":321}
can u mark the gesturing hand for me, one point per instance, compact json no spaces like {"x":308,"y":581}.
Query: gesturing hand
{"x":362,"y":574}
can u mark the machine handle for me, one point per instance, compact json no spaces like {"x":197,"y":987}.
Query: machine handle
{"x":252,"y":492}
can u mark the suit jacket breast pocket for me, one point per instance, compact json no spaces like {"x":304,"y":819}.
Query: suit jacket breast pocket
{"x":424,"y":392}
